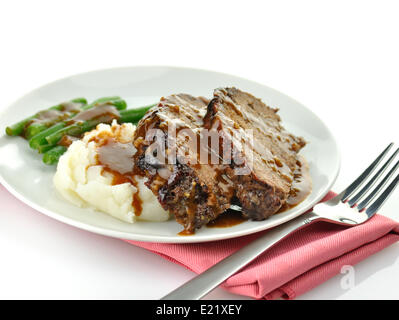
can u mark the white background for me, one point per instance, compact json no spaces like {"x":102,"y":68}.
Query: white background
{"x":339,"y":58}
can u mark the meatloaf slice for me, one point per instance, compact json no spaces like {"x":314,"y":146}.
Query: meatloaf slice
{"x":195,"y":193}
{"x":264,"y":150}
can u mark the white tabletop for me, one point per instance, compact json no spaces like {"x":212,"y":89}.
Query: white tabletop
{"x":339,"y":60}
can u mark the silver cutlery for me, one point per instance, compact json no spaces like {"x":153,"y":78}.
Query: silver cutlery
{"x":345,"y":209}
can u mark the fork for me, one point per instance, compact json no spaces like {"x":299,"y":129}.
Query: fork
{"x":342,"y":210}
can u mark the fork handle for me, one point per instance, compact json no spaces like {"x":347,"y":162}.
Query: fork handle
{"x":205,"y":282}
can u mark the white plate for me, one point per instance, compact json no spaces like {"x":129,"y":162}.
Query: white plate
{"x":23,"y":173}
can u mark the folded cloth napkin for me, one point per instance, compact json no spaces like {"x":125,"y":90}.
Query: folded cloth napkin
{"x":296,"y":264}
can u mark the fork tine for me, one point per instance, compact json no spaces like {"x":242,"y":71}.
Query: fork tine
{"x":382,"y":198}
{"x":377,"y":189}
{"x":357,"y":183}
{"x":368,"y":186}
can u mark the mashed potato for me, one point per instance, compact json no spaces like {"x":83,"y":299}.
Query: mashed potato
{"x":82,"y":181}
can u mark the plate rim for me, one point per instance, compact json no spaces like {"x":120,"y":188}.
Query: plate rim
{"x":166,"y":238}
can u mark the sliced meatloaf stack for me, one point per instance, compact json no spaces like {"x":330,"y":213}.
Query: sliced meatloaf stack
{"x":199,"y":156}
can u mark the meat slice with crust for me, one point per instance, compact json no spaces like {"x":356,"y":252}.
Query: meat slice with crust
{"x":194,"y":192}
{"x":263,"y":147}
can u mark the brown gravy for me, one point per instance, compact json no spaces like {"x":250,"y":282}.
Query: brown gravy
{"x":227,"y":219}
{"x":70,"y":107}
{"x":301,"y":186}
{"x":117,"y":156}
{"x":300,"y":189}
{"x":67,"y":140}
{"x":186,"y":232}
{"x":102,"y":113}
{"x":65,"y":111}
{"x":117,"y":159}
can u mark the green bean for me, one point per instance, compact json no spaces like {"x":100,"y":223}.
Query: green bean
{"x":37,"y":127}
{"x":52,"y":156}
{"x":40,"y":139}
{"x":78,"y":128}
{"x":34,"y":129}
{"x":18,"y":128}
{"x":134,"y":115}
{"x":105,"y":100}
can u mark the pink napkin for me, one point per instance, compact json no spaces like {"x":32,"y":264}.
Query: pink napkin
{"x":295,"y":265}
